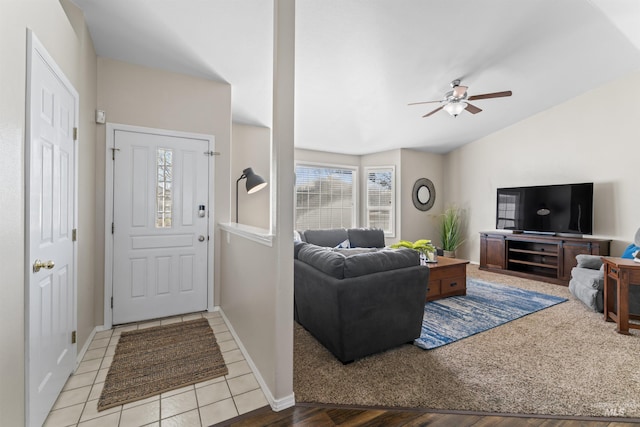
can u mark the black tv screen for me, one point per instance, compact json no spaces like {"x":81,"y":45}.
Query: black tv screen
{"x":566,"y":208}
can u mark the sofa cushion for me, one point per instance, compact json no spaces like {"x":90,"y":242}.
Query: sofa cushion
{"x":587,"y":277}
{"x":354,"y":251}
{"x":375,"y":262}
{"x":327,"y":238}
{"x":296,"y":248}
{"x":589,"y":261}
{"x":366,"y":238}
{"x":592,"y":298}
{"x":343,"y":245}
{"x":323,"y":259}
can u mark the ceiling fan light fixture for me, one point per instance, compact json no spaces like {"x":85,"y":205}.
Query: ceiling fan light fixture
{"x":455,"y":108}
{"x":459,"y":91}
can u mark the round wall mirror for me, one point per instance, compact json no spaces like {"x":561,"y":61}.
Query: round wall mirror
{"x":423,"y":194}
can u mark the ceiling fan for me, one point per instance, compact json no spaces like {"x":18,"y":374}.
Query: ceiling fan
{"x":456,"y":99}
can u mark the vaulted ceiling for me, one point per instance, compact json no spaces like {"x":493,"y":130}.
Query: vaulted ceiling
{"x":360,"y":62}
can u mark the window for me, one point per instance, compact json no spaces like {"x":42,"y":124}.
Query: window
{"x":381,"y":199}
{"x":325,"y":197}
{"x":507,"y":214}
{"x":164,"y":165}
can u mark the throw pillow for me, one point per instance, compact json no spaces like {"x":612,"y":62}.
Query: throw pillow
{"x":631,"y":249}
{"x":589,"y":261}
{"x":343,"y":245}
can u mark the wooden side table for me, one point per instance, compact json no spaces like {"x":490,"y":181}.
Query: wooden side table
{"x":448,"y":277}
{"x":619,"y":274}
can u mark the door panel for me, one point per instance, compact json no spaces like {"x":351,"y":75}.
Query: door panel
{"x":160,"y":241}
{"x":51,"y":354}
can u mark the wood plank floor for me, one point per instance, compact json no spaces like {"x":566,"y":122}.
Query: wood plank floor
{"x":304,"y":414}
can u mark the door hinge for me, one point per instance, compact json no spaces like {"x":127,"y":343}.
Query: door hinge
{"x":113,"y":228}
{"x":74,"y":235}
{"x":211,"y":153}
{"x":73,"y":337}
{"x":75,"y":134}
{"x":111,"y":302}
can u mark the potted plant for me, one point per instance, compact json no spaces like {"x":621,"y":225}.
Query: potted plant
{"x":450,"y":231}
{"x":423,"y":246}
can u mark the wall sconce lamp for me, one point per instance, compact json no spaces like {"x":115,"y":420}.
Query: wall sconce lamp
{"x":254,"y":184}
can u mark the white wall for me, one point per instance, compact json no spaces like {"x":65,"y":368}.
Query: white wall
{"x":251,"y":147}
{"x":591,"y":138}
{"x":141,"y":96}
{"x":72,"y":49}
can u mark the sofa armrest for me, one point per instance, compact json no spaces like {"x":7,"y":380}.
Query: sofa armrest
{"x":593,"y":262}
{"x":358,"y":316}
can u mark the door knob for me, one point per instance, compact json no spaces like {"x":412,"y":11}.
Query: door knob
{"x":37,"y":265}
{"x":201,"y":238}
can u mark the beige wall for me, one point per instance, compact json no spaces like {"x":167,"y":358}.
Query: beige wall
{"x":87,"y":248}
{"x":417,"y":224}
{"x":72,"y":49}
{"x":251,"y":148}
{"x":591,"y":138}
{"x":312,"y":156}
{"x":257,"y":279}
{"x":141,"y":96}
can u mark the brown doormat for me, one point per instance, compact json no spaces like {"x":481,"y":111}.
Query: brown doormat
{"x":151,"y":361}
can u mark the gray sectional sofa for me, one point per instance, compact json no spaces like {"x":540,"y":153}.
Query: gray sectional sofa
{"x":358,"y":301}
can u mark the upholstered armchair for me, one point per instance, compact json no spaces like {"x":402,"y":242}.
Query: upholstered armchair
{"x":587,"y":280}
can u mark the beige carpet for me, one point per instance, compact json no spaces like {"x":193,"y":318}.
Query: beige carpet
{"x":151,"y":361}
{"x":564,"y":360}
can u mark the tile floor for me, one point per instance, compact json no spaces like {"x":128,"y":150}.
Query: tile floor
{"x":202,"y":404}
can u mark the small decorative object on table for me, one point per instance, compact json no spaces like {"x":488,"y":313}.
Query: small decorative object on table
{"x":428,"y":252}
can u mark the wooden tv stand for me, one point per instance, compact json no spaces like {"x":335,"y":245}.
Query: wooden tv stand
{"x":534,"y":256}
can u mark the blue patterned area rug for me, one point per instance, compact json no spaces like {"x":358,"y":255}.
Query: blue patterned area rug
{"x":485,"y":306}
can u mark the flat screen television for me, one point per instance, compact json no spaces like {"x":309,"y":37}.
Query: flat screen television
{"x":548,"y":209}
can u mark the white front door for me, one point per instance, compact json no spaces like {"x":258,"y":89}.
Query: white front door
{"x":51,"y":110}
{"x":160,"y":225}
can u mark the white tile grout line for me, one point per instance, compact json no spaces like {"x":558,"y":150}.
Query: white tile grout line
{"x":237,"y":341}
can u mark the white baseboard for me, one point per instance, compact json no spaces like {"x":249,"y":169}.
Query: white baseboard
{"x":276,"y":404}
{"x":86,"y":345}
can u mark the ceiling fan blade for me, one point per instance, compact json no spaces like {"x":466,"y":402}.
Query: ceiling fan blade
{"x":423,"y":102}
{"x":434,"y":111}
{"x":472,"y":109}
{"x":491,"y":95}
{"x":459,"y":91}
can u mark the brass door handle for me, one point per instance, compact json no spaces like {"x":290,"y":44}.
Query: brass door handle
{"x":37,"y":265}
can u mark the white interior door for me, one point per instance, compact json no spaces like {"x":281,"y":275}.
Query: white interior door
{"x":51,"y":352}
{"x":160,"y":226}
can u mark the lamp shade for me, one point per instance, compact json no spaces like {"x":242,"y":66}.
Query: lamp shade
{"x":455,"y":108}
{"x":254,"y":182}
